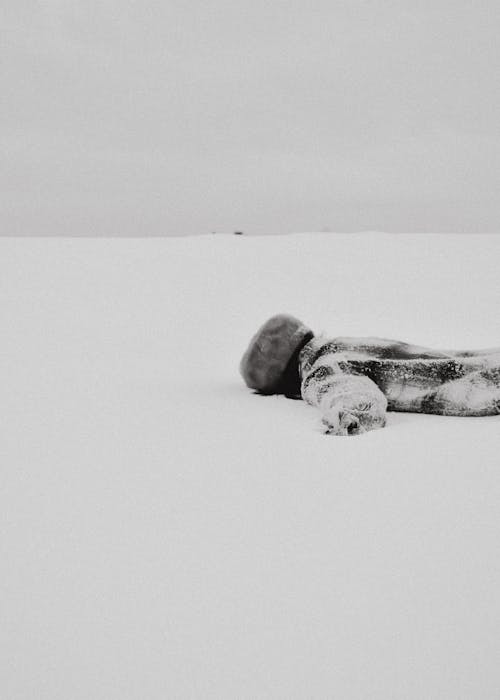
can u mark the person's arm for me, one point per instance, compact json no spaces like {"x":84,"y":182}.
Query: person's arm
{"x":349,"y":403}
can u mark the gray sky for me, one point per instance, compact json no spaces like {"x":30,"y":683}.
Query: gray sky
{"x":182,"y":117}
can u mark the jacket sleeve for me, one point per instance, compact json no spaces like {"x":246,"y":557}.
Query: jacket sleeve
{"x":349,"y":402}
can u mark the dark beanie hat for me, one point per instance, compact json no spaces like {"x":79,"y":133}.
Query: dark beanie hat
{"x":266,"y":359}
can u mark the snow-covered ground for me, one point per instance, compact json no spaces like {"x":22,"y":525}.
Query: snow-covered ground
{"x":165,"y":533}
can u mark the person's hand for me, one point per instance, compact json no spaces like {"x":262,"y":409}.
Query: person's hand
{"x":358,"y":408}
{"x":341,"y":420}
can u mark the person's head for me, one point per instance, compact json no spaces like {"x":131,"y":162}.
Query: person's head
{"x":270,"y":363}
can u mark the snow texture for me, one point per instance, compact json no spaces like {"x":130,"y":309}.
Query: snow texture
{"x":166,"y":533}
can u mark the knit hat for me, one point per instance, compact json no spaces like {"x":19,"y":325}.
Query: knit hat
{"x":265,"y":362}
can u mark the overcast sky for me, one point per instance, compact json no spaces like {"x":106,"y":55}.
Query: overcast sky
{"x":266,"y":116}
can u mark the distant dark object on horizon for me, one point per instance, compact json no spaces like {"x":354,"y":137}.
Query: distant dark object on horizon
{"x":238,"y":233}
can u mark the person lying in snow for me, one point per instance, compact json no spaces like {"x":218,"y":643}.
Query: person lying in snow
{"x":354,"y":381}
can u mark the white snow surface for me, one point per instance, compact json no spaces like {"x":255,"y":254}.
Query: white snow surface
{"x":165,"y":533}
